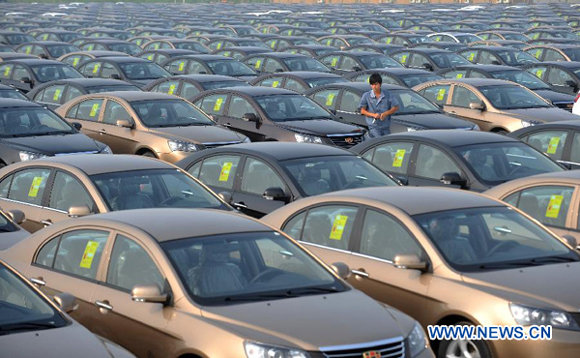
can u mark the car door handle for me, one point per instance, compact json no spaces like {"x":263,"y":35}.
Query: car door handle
{"x":241,"y":204}
{"x":102,"y":131}
{"x":452,"y":112}
{"x":39,"y":281}
{"x":46,"y":223}
{"x":227,"y":125}
{"x":360,"y":273}
{"x":104,"y":305}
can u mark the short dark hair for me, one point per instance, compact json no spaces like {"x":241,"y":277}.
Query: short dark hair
{"x":375,"y":78}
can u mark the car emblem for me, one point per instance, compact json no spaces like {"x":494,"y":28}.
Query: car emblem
{"x":349,"y":140}
{"x":372,"y":354}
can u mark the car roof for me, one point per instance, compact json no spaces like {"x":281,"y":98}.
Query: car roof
{"x":360,"y":86}
{"x":168,"y":224}
{"x":205,"y":78}
{"x":102,"y":163}
{"x":282,"y":55}
{"x":88,"y":82}
{"x":12,"y":103}
{"x":488,"y":68}
{"x":567,"y":64}
{"x":202,"y":57}
{"x":450,"y":138}
{"x":255,"y":91}
{"x":303,"y":74}
{"x":120,"y":59}
{"x":35,"y":61}
{"x":135,"y":96}
{"x":477,"y":82}
{"x":397,"y":71}
{"x":491,"y":48}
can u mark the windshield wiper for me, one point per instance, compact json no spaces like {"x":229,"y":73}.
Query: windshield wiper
{"x":553,"y":259}
{"x":6,"y":329}
{"x":499,"y":265}
{"x":312,"y":290}
{"x":258,"y":297}
{"x":49,"y":133}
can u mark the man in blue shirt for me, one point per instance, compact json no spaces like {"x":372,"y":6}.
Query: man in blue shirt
{"x":378,"y":106}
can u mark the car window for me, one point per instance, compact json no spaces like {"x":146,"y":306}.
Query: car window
{"x":538,"y":71}
{"x":115,"y":112}
{"x":349,"y":102}
{"x":72,"y":92}
{"x":375,"y":243}
{"x":456,"y":74}
{"x":471,"y":55}
{"x":28,"y":186}
{"x":6,"y":71}
{"x":488,"y":58}
{"x":575,"y":151}
{"x":169,"y":87}
{"x":108,"y":70}
{"x":549,"y":142}
{"x":51,"y":94}
{"x":258,"y":176}
{"x":294,"y":226}
{"x":402,"y":57}
{"x":418,"y":61}
{"x":330,"y":226}
{"x":20,"y":72}
{"x":79,"y":252}
{"x":462,"y":97}
{"x":437,"y":94}
{"x":348,"y":64}
{"x":131,"y":265}
{"x":91,"y":69}
{"x":271,"y":65}
{"x":271,"y":82}
{"x":5,"y":186}
{"x":553,"y":55}
{"x":559,"y":77}
{"x":432,"y":163}
{"x":189,"y":90}
{"x":391,"y":157}
{"x":294,"y":86}
{"x":331,"y":61}
{"x":547,"y":204}
{"x":87,"y":110}
{"x":536,"y":52}
{"x":327,"y":98}
{"x":177,"y":67}
{"x":255,"y":62}
{"x":240,"y":106}
{"x":214,"y":104}
{"x":218,"y":171}
{"x":67,"y":191}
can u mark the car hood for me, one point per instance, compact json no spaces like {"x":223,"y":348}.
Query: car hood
{"x":311,"y":322}
{"x":199,"y":134}
{"x":320,"y":127}
{"x":247,"y":78}
{"x":550,"y":114}
{"x":550,"y":286}
{"x":54,"y":144}
{"x":433,"y":121}
{"x":141,"y":83}
{"x":554,"y":96}
{"x":7,"y":239}
{"x":57,"y":342}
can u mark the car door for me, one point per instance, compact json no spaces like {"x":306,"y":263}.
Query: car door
{"x":562,"y":81}
{"x":87,"y":113}
{"x":22,"y":79}
{"x":327,"y":230}
{"x":50,"y":96}
{"x":430,"y":164}
{"x":257,"y":176}
{"x":24,"y":190}
{"x":272,"y":65}
{"x":461,"y":98}
{"x":552,"y":142}
{"x":256,"y":63}
{"x":137,"y":326}
{"x":122,"y":140}
{"x":215,"y":106}
{"x":372,"y":264}
{"x":437,"y":93}
{"x":219,"y":172}
{"x":573,"y":154}
{"x":237,"y":108}
{"x":348,"y":109}
{"x":392,"y":157}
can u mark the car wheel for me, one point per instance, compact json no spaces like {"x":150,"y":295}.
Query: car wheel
{"x":148,"y":154}
{"x":463,"y":348}
{"x":501,"y":131}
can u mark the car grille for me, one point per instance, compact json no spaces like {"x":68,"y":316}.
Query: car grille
{"x":77,"y":153}
{"x":218,"y":144}
{"x":576,"y":317}
{"x":346,"y":140}
{"x":392,"y":348}
{"x":565,"y":105}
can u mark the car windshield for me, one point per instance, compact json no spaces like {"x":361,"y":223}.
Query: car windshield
{"x":22,"y":309}
{"x":379,"y":61}
{"x":305,"y":64}
{"x":230,"y":68}
{"x":113,"y":88}
{"x":12,"y":94}
{"x":413,"y":80}
{"x":252,"y":43}
{"x":353,"y":41}
{"x":490,"y":238}
{"x":419,"y":39}
{"x":247,"y":267}
{"x":143,"y":70}
{"x":321,"y":175}
{"x":411,"y":102}
{"x":28,"y":122}
{"x":512,"y":97}
{"x":191,"y":45}
{"x":46,"y":73}
{"x":59,"y":50}
{"x":69,"y":37}
{"x":283,"y":108}
{"x":516,"y":37}
{"x":496,"y":163}
{"x":564,"y":35}
{"x":19,"y":39}
{"x":445,"y":60}
{"x":315,"y":82}
{"x":153,"y":188}
{"x":223,"y":84}
{"x":170,"y":113}
{"x":128,"y":48}
{"x":573,"y":53}
{"x":523,"y":78}
{"x":465,"y":39}
{"x":516,"y":58}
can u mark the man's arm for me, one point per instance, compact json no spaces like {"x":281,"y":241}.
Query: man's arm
{"x":389,"y":112}
{"x":364,"y":112}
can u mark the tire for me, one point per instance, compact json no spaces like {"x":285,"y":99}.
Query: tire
{"x":148,"y":154}
{"x":458,"y":349}
{"x":501,"y":131}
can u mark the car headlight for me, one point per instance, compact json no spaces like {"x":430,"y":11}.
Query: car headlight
{"x":411,"y":129}
{"x":26,"y":156}
{"x":527,"y":316}
{"x":181,"y":146}
{"x":106,"y":150}
{"x":417,"y":340}
{"x":305,"y":138}
{"x":527,"y":123}
{"x":475,"y":128}
{"x":259,"y":350}
{"x":247,"y":140}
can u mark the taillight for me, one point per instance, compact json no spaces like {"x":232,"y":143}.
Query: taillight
{"x":577,"y":96}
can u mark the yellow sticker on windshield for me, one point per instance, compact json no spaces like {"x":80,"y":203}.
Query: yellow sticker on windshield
{"x":553,"y":145}
{"x":36,"y":182}
{"x":225,"y":173}
{"x":275,"y":83}
{"x":330,"y":99}
{"x":96,"y":68}
{"x":56,"y":95}
{"x":90,"y":47}
{"x":471,"y":56}
{"x":89,"y":254}
{"x":553,"y":209}
{"x":538,"y":53}
{"x":218,"y":104}
{"x":334,"y":61}
{"x":28,"y":49}
{"x":181,"y":66}
{"x":219,"y":45}
{"x":45,"y":37}
{"x":404,"y":59}
{"x":338,"y":227}
{"x":150,"y":57}
{"x":75,"y":61}
{"x":389,"y":40}
{"x":399,"y":157}
{"x":441,"y":94}
{"x":539,"y":73}
{"x":171,"y":89}
{"x":273,"y":44}
{"x":94,"y":110}
{"x":258,"y":63}
{"x":7,"y":71}
{"x":459,"y":75}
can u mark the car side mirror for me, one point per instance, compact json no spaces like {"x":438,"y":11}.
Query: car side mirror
{"x":149,"y":293}
{"x":203,"y":73}
{"x":477,"y":106}
{"x":250,"y":117}
{"x":77,"y":211}
{"x":115,"y":76}
{"x":403,"y":180}
{"x":26,"y":80}
{"x":77,"y":125}
{"x":16,"y":215}
{"x":427,"y":66}
{"x":225,"y":196}
{"x":571,"y":240}
{"x":279,"y":70}
{"x":572,"y":84}
{"x":356,"y":69}
{"x":277,"y":194}
{"x":66,"y":302}
{"x":453,"y":179}
{"x":494,"y":62}
{"x":341,"y":269}
{"x":125,"y":123}
{"x":410,"y":262}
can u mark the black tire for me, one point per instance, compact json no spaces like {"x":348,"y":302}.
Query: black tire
{"x":457,"y":349}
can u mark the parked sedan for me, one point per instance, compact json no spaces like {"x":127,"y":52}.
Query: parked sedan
{"x":498,"y":55}
{"x":494,"y":105}
{"x":283,"y":62}
{"x":209,"y":64}
{"x":161,"y":56}
{"x":440,"y":255}
{"x":406,"y":77}
{"x":147,"y":123}
{"x":298,"y":81}
{"x":343,"y":62}
{"x":136,"y":71}
{"x":75,"y":59}
{"x":562,"y":76}
{"x":11,"y":92}
{"x":111,"y":45}
{"x":50,"y":190}
{"x":473,"y":160}
{"x":258,"y":178}
{"x":204,"y":283}
{"x":51,"y":50}
{"x":430,"y":59}
{"x":266,"y":114}
{"x":187,"y":86}
{"x":26,"y":74}
{"x":555,"y":52}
